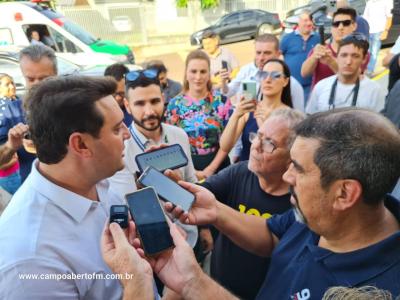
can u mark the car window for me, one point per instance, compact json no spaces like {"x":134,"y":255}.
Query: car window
{"x":247,"y":15}
{"x":5,"y":37}
{"x":65,"y":67}
{"x":12,"y":68}
{"x":63,"y":44}
{"x":78,"y":32}
{"x":231,"y":19}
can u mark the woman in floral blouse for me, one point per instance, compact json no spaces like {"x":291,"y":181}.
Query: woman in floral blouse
{"x":202,"y":113}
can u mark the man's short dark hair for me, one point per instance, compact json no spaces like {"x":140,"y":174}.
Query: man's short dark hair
{"x":357,"y":39}
{"x":355,"y":144}
{"x":157,"y":65}
{"x":346,"y":11}
{"x":36,"y":52}
{"x":209,"y":34}
{"x":268,"y":38}
{"x":58,"y":107}
{"x":117,"y":71}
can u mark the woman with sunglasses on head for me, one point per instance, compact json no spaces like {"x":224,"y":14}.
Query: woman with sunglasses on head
{"x":202,"y":113}
{"x":249,"y":115}
{"x":10,"y":114}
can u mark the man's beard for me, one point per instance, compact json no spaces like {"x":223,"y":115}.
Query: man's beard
{"x":153,"y":117}
{"x":297,"y":211}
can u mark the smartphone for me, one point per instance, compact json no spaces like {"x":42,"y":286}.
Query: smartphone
{"x":119,"y":214}
{"x":249,"y":89}
{"x":150,"y":220}
{"x":171,"y":157}
{"x":166,"y":188}
{"x":224,"y":64}
{"x":321,"y":31}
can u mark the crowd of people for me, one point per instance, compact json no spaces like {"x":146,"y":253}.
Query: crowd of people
{"x":295,"y":186}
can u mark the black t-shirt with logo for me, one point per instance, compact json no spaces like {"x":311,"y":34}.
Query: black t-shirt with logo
{"x":236,"y":269}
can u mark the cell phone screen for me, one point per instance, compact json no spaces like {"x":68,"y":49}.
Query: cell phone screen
{"x":224,"y":64}
{"x":171,"y":157}
{"x":167,"y":189}
{"x":150,"y":221}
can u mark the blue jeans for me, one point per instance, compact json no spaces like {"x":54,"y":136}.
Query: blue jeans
{"x":374,"y":47}
{"x":11,"y":183}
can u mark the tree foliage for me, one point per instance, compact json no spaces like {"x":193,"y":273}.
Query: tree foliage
{"x":204,"y":3}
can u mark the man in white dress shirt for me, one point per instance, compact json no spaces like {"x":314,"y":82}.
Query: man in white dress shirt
{"x":50,"y":232}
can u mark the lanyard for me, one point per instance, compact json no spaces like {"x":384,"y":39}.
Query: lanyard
{"x":137,"y":139}
{"x":333,"y":92}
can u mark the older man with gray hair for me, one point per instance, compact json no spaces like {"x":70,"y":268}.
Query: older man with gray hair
{"x":37,"y":62}
{"x":344,"y":229}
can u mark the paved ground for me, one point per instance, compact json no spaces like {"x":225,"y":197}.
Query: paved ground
{"x":174,"y":56}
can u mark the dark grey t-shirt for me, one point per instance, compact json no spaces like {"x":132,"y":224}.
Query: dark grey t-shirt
{"x":235,"y":268}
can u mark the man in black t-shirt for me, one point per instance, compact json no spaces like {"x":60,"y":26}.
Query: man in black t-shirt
{"x":254,"y":187}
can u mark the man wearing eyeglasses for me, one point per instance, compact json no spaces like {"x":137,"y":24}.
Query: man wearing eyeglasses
{"x":118,"y":71}
{"x":253,"y":187}
{"x":348,"y":88}
{"x":321,"y":61}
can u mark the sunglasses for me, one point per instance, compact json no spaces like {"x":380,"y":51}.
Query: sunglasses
{"x":345,"y":23}
{"x":135,"y":75}
{"x":273,"y":75}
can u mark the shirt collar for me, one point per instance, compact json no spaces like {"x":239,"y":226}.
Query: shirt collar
{"x":73,"y":204}
{"x":144,"y":140}
{"x":297,"y":32}
{"x":359,"y":266}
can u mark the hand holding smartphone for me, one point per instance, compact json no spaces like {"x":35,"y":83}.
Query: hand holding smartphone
{"x":150,"y":220}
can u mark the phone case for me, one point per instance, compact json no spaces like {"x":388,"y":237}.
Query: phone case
{"x":145,"y":159}
{"x":160,"y":194}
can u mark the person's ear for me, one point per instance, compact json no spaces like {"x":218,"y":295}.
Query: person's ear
{"x":126,"y":104}
{"x":79,"y":144}
{"x":286,"y":81}
{"x":347,"y":193}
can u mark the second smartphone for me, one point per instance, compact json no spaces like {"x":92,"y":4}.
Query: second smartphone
{"x":150,"y":220}
{"x":166,"y":188}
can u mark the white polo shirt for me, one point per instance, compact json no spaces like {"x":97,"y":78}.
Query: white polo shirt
{"x":47,"y":231}
{"x":370,"y":95}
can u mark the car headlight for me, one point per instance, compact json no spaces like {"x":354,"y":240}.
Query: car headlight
{"x":119,"y":58}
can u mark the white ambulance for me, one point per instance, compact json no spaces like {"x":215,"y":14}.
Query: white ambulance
{"x":18,"y":21}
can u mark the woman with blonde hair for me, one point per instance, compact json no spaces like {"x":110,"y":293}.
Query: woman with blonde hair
{"x":202,"y":113}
